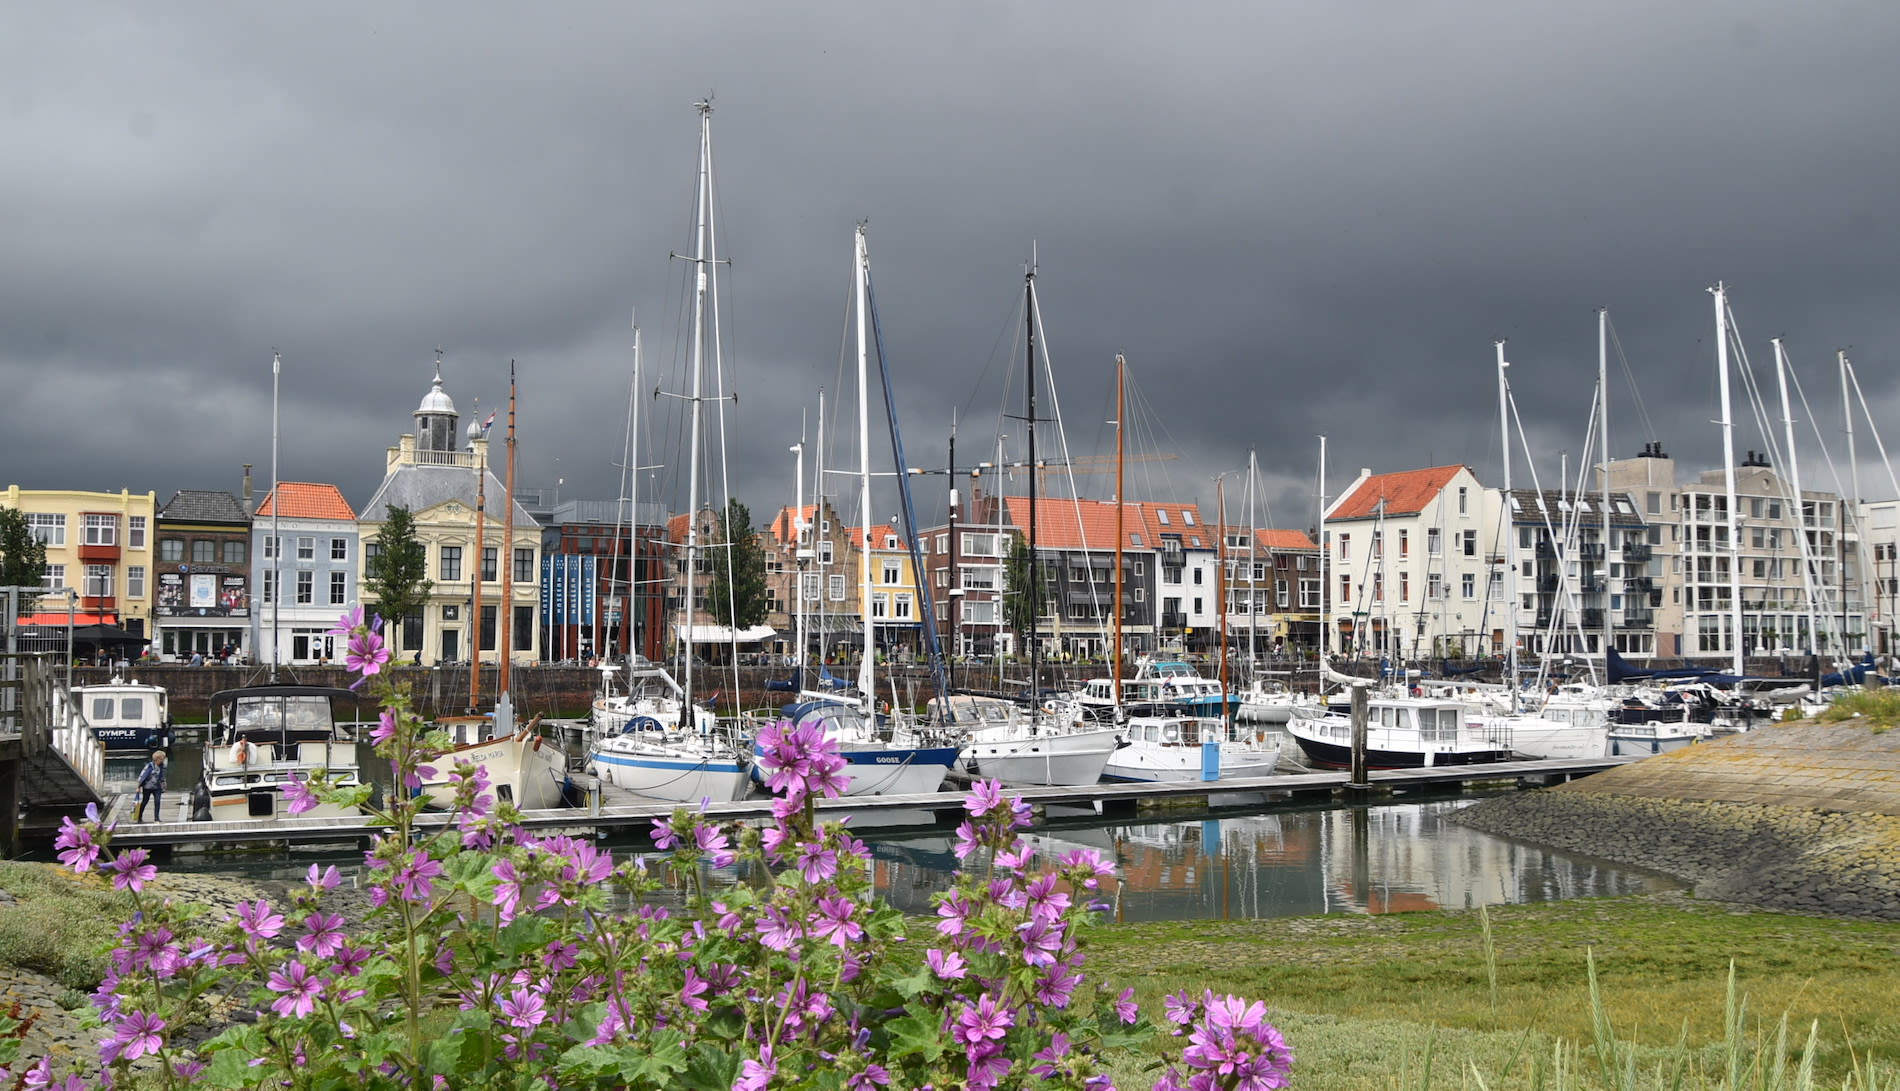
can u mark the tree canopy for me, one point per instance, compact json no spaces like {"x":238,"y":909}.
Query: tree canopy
{"x":397,"y":573}
{"x":22,"y":557}
{"x":1027,"y":592}
{"x":736,"y":593}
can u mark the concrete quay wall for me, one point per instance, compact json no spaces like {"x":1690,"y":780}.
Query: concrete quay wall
{"x":1800,"y":817}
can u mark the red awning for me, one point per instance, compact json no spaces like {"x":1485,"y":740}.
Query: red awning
{"x":59,"y":619}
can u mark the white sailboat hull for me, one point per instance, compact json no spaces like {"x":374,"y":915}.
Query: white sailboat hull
{"x":679,"y":773}
{"x":1021,"y":754}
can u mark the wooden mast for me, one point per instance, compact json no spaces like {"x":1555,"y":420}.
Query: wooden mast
{"x":475,"y":571}
{"x":506,"y":561}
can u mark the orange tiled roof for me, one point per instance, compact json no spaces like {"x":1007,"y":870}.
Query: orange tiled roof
{"x":303,"y":500}
{"x":783,"y":525}
{"x":879,"y":532}
{"x":1090,"y":524}
{"x":1283,"y":539}
{"x":1405,"y":493}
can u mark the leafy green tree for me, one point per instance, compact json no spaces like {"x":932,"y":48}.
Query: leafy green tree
{"x":22,"y":558}
{"x":1028,"y":593}
{"x":397,"y":575}
{"x":736,"y":569}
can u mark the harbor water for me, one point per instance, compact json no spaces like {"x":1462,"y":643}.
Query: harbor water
{"x":1283,"y":861}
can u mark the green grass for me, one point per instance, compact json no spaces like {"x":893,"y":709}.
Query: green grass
{"x":1367,"y":1002}
{"x":1880,"y":708}
{"x":60,"y":924}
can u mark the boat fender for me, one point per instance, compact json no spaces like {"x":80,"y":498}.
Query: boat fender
{"x":241,"y":753}
{"x":537,"y":742}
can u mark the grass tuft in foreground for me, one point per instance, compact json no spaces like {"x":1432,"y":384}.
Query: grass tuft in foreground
{"x":59,"y":924}
{"x":1879,"y":708}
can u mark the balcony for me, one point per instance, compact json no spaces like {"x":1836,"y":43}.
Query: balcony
{"x":1639,"y":615}
{"x":1594,"y":586}
{"x":1173,"y":620}
{"x":1637,"y":585}
{"x":1543,"y":619}
{"x":99,"y":554}
{"x":1546,"y":550}
{"x":1592,"y":617}
{"x":1591,"y":551}
{"x":1637,"y":551}
{"x":1549,"y":583}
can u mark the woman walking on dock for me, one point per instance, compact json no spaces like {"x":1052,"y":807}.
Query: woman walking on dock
{"x":152,"y":788}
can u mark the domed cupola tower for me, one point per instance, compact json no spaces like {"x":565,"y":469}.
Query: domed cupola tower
{"x":436,"y":418}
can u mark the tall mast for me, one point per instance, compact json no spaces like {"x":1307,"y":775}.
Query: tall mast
{"x":1034,"y":589}
{"x":1253,"y":563}
{"x":867,"y":674}
{"x":1220,"y":587}
{"x":1509,"y":530}
{"x":507,"y":608}
{"x":276,"y":516}
{"x":1325,"y":591}
{"x":1603,"y":445}
{"x":1121,"y":507}
{"x":955,"y":592}
{"x":629,"y":492}
{"x":1728,"y":476}
{"x":1853,"y":506}
{"x":801,"y":559}
{"x":701,"y":276}
{"x":1794,"y":487}
{"x":475,"y":562}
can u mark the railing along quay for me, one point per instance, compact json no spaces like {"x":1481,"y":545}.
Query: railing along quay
{"x":614,"y":810}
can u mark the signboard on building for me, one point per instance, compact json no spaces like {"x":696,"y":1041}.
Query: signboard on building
{"x":193,"y":593}
{"x":567,"y":586}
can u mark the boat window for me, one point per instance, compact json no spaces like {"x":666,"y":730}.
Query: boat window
{"x":132,"y":708}
{"x":102,"y":709}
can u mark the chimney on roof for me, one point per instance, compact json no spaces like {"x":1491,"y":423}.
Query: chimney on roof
{"x":1365,"y":471}
{"x":248,"y":506}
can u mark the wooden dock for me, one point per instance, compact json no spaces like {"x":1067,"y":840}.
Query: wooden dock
{"x":613,"y":810}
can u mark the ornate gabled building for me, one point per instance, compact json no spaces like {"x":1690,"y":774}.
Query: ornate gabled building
{"x":444,"y":486}
{"x":1274,"y":605}
{"x":811,"y":566}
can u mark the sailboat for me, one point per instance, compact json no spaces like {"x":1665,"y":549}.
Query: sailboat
{"x":1166,"y":734}
{"x":521,"y":766}
{"x":884,"y":754}
{"x":1036,"y":745}
{"x":662,"y":752}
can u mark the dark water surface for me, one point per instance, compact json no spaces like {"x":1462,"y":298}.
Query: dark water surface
{"x":1283,"y":862}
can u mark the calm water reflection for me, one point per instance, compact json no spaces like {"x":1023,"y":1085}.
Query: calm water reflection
{"x":1292,"y":862}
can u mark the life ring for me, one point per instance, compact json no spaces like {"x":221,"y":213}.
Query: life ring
{"x":241,"y":753}
{"x":883,"y":708}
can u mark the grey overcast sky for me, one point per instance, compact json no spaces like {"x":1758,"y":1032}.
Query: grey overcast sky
{"x":1293,"y":219}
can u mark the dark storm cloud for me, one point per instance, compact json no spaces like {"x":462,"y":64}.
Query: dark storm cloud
{"x":1293,"y":221}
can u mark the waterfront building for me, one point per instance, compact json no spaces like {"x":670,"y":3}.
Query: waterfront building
{"x":1570,"y":582}
{"x":99,"y":558}
{"x":603,"y":566}
{"x":1273,"y":593}
{"x":1880,"y":548}
{"x":1793,"y":562}
{"x":444,"y":485}
{"x":304,"y":541}
{"x":1416,"y":564}
{"x":811,"y":564}
{"x":203,"y":601}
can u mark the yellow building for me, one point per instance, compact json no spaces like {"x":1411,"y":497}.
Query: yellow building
{"x":98,"y":544}
{"x":441,"y":483}
{"x":891,"y":590}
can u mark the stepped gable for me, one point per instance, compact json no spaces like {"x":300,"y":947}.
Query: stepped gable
{"x":1841,"y":766}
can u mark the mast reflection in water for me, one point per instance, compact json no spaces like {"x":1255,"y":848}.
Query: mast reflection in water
{"x":1387,"y":859}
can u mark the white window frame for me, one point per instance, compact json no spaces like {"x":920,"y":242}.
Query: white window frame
{"x":101,"y":529}
{"x":135,"y":532}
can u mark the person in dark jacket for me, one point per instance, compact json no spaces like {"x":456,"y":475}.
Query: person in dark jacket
{"x":152,"y":788}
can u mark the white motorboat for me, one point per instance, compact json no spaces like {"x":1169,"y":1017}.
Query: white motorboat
{"x":122,"y":714}
{"x":1171,"y":746}
{"x":522,"y":766}
{"x":1270,"y":701}
{"x":267,"y":736}
{"x":1401,"y":733}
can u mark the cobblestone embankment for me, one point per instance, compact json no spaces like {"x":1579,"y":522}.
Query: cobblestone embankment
{"x":58,"y":1031}
{"x":1802,"y":818}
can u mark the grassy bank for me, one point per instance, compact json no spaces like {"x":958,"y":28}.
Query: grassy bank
{"x":1421,"y":1000}
{"x":1376,"y":1002}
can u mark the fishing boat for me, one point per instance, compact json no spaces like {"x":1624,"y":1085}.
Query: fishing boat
{"x":522,"y":766}
{"x":122,"y":714}
{"x":267,"y":736}
{"x":1402,"y":733}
